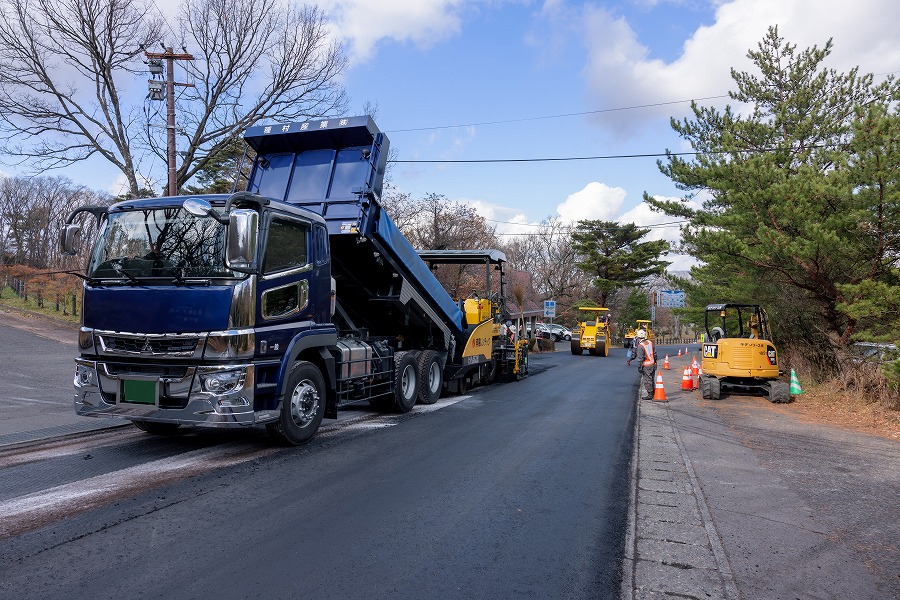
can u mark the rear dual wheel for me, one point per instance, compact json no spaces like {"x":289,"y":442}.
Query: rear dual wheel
{"x":431,"y":377}
{"x":710,"y":387}
{"x":406,"y":381}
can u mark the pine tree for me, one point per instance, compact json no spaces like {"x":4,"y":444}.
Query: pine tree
{"x":614,"y":257}
{"x":780,"y":218}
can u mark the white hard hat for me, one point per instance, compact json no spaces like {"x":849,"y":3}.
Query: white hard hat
{"x":641,"y":334}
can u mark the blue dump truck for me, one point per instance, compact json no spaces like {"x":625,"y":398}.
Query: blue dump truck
{"x":280,"y":304}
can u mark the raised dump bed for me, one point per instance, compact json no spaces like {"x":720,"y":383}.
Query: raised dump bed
{"x":336,"y":169}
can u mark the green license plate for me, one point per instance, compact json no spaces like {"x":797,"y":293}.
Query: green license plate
{"x":139,"y":391}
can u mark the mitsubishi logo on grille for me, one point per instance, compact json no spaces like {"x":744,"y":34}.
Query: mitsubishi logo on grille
{"x":146,"y":348}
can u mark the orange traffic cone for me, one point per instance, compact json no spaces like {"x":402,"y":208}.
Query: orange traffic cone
{"x":695,"y":373}
{"x":686,"y":383}
{"x":659,"y":393}
{"x":679,"y":352}
{"x":666,"y":363}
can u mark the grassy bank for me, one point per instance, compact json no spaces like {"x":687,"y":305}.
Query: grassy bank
{"x":9,"y":299}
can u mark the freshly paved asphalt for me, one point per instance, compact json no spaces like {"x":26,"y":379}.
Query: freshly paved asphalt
{"x":730,"y":499}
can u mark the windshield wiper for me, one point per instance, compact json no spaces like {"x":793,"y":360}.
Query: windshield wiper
{"x":180,"y":279}
{"x":90,"y":280}
{"x":129,"y":276}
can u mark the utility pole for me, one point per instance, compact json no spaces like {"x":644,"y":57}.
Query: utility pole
{"x":170,"y":57}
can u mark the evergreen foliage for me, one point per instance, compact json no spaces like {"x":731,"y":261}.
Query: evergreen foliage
{"x":614,"y":257}
{"x":798,"y":191}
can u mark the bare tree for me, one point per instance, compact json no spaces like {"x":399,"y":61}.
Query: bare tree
{"x":65,"y":67}
{"x":548,"y":255}
{"x":255,"y":61}
{"x":32,"y":211}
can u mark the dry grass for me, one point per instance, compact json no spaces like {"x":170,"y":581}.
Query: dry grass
{"x":829,"y":403}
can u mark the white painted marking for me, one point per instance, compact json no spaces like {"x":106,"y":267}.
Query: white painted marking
{"x":33,"y":510}
{"x":25,"y":512}
{"x":22,"y":400}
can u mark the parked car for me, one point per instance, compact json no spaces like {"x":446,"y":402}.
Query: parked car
{"x":552,"y":331}
{"x":559,"y":332}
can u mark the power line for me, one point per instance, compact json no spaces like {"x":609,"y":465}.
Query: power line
{"x":572,"y":227}
{"x":554,"y":159}
{"x":613,"y":156}
{"x":559,"y":116}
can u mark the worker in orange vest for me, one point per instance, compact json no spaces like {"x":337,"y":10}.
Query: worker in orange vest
{"x":645,"y":354}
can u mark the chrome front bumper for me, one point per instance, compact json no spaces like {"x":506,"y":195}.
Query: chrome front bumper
{"x":180,"y":397}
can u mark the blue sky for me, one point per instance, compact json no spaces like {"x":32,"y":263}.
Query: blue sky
{"x":464,"y":80}
{"x":495,"y":79}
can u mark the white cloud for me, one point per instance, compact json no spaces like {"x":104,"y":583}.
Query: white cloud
{"x":508,"y":221}
{"x":619,"y":72}
{"x":596,"y":201}
{"x":364,"y":23}
{"x":642,"y":216}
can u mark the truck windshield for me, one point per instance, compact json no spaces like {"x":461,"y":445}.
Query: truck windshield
{"x":165,"y":243}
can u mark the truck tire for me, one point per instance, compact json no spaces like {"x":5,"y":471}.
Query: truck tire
{"x":779,"y":392}
{"x":715,"y":388}
{"x":431,"y":377}
{"x":576,"y":347}
{"x":303,"y":406}
{"x":156,"y":428}
{"x":704,"y":387}
{"x":406,"y":381}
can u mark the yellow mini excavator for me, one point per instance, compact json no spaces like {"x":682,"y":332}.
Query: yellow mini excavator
{"x":739,"y":355}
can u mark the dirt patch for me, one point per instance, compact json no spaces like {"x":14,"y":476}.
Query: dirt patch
{"x":47,"y":327}
{"x":843,"y":409}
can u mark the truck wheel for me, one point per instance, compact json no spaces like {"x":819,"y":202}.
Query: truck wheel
{"x":715,"y":388}
{"x":431,"y":376}
{"x":302,"y":407}
{"x":406,"y":381}
{"x":576,"y":347}
{"x":704,"y":387}
{"x":779,"y":392}
{"x":156,"y":428}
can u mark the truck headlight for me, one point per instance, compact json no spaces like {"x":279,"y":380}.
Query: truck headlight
{"x":219,"y":383}
{"x":85,"y":376}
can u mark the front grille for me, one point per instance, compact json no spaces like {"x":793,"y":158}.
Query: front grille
{"x":152,"y":346}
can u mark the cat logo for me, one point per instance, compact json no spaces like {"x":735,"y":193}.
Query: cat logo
{"x":710,"y":350}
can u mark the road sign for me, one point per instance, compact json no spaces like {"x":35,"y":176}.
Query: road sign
{"x":671,"y":298}
{"x":550,"y":308}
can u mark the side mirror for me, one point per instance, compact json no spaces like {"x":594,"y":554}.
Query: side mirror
{"x":243,"y":235}
{"x":68,"y":237}
{"x":201,"y":208}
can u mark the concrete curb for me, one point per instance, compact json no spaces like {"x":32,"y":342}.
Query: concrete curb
{"x":672,"y":548}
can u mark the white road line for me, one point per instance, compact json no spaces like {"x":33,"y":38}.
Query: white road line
{"x":38,"y":508}
{"x":32,"y":510}
{"x":22,"y":400}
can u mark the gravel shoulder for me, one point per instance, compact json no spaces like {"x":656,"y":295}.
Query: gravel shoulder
{"x":800,"y":509}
